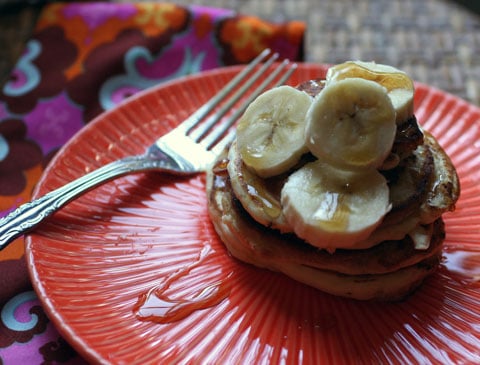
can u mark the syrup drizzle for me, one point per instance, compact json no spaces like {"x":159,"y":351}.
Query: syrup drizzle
{"x":157,"y":306}
{"x":464,"y":262}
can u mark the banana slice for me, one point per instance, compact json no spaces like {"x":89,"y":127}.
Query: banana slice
{"x":259,"y":197}
{"x":351,"y":124}
{"x":332,"y":208}
{"x":399,"y":86}
{"x":270,"y":133}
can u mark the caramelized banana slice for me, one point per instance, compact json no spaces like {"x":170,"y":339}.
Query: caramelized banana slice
{"x":351,"y":124}
{"x":270,"y":133}
{"x":399,"y":86}
{"x":259,"y":197}
{"x":332,"y":208}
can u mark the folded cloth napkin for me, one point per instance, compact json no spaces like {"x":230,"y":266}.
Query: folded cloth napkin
{"x":83,"y":59}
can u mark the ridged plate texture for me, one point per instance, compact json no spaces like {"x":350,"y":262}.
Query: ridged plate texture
{"x":133,"y":272}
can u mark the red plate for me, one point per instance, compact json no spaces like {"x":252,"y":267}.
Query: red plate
{"x":98,"y":257}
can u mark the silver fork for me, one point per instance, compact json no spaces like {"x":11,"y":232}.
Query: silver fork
{"x":188,"y":149}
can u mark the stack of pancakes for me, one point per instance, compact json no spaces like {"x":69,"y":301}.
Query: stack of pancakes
{"x":407,"y":245}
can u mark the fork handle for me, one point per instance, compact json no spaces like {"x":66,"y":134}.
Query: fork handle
{"x":29,"y":215}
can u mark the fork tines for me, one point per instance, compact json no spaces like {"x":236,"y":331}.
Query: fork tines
{"x":216,"y":137}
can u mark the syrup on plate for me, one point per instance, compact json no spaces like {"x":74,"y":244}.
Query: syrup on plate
{"x":159,"y":306}
{"x":463,"y":262}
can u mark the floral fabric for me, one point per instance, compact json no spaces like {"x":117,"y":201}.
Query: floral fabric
{"x":83,"y":59}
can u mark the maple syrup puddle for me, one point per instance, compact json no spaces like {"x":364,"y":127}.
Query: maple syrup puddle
{"x":464,"y":261}
{"x":157,"y":306}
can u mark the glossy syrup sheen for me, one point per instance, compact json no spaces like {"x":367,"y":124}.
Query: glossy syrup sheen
{"x":463,"y":264}
{"x":158,"y":306}
{"x":144,"y":234}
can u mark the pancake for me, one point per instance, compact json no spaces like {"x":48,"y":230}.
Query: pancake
{"x":387,"y":271}
{"x":389,"y":264}
{"x":409,"y":184}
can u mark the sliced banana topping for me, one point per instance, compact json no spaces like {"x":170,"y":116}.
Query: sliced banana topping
{"x":399,"y":86}
{"x":351,"y":124}
{"x":259,"y":197}
{"x":421,"y":236}
{"x":340,"y":199}
{"x":332,"y":208}
{"x":270,"y":133}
